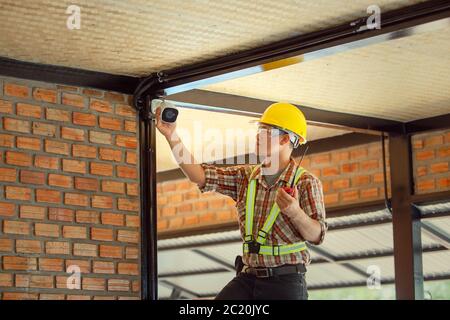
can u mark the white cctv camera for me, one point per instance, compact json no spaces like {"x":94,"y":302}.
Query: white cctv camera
{"x":169,"y":112}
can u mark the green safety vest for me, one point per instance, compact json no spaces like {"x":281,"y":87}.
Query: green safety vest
{"x":268,"y":224}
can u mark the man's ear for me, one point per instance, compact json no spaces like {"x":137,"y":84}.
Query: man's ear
{"x":285,"y":139}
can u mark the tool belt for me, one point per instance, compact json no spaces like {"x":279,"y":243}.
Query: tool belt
{"x":275,"y":271}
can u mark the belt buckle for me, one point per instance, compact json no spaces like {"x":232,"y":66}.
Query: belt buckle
{"x":262,"y":273}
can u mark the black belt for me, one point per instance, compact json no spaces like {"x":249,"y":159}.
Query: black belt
{"x":275,"y":271}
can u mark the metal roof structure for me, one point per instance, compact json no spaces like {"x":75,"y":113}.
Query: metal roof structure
{"x":199,"y":266}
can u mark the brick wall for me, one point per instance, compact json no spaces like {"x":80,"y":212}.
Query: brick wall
{"x":348,"y":175}
{"x":68,"y":192}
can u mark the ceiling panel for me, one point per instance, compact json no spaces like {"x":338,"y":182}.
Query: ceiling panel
{"x":404,"y":79}
{"x":137,"y":37}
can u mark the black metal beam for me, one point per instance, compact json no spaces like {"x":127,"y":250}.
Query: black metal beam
{"x":405,"y":221}
{"x":428,"y":124}
{"x":255,"y":107}
{"x":67,"y":76}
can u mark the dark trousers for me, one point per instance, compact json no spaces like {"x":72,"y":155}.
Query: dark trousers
{"x":248,"y":287}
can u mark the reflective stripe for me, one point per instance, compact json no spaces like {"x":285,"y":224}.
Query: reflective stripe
{"x":279,"y":250}
{"x":268,"y":224}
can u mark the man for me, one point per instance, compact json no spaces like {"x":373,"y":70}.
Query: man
{"x":274,"y":222}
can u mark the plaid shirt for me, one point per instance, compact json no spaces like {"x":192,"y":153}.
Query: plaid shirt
{"x":233,"y":182}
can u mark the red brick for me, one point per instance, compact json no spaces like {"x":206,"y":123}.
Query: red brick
{"x":84,"y":119}
{"x":132,"y":189}
{"x":100,"y":137}
{"x":104,"y":267}
{"x":114,"y":97}
{"x":34,"y":281}
{"x":16,"y":125}
{"x":131,"y":253}
{"x":84,"y":265}
{"x":84,"y":151}
{"x":162,"y":225}
{"x":32,"y":212}
{"x":60,"y":214}
{"x":130,"y":126}
{"x":101,"y":169}
{"x":127,"y":236}
{"x":32,"y":177}
{"x":45,"y":195}
{"x":57,"y":115}
{"x":358,"y":153}
{"x":126,"y":172}
{"x":128,"y":268}
{"x":6,"y":106}
{"x":207,"y":217}
{"x":351,"y":195}
{"x":76,"y":199}
{"x":51,"y":264}
{"x":19,"y":263}
{"x":369,"y":165}
{"x":100,"y":105}
{"x":46,"y":162}
{"x":28,"y":110}
{"x":434,"y":141}
{"x":74,"y":166}
{"x":369,"y":193}
{"x":45,"y":95}
{"x":57,"y":247}
{"x":330,"y":171}
{"x":168,"y":211}
{"x":8,"y":174}
{"x":74,"y":232}
{"x":194,"y":220}
{"x":95,"y":284}
{"x":107,"y":251}
{"x":18,"y":159}
{"x":417,"y":143}
{"x":339,"y":156}
{"x":56,"y":147}
{"x":72,"y":134}
{"x":51,"y":296}
{"x":78,"y":297}
{"x":28,"y":246}
{"x":59,"y":180}
{"x":92,"y":93}
{"x":67,"y":88}
{"x":114,"y":219}
{"x":20,"y":296}
{"x":6,"y":245}
{"x":421,"y":171}
{"x":443,"y":182}
{"x":113,"y":186}
{"x":86,"y":184}
{"x":424,"y":185}
{"x":28,"y":143}
{"x":132,"y":221}
{"x":16,"y":90}
{"x":176,"y":223}
{"x":439,"y":167}
{"x":360,"y":180}
{"x":44,"y":129}
{"x":102,"y":234}
{"x":85,"y":250}
{"x":16,"y":227}
{"x":6,"y":140}
{"x":18,"y":193}
{"x":126,"y":141}
{"x":110,"y":123}
{"x":340,"y":183}
{"x":102,"y":202}
{"x":110,"y":154}
{"x":6,"y":280}
{"x":46,"y":230}
{"x":425,"y":155}
{"x":444,"y":152}
{"x":84,"y":216}
{"x":128,"y":204}
{"x":118,"y":285}
{"x":7,"y":209}
{"x":73,"y":100}
{"x":131,"y":157}
{"x":125,"y":111}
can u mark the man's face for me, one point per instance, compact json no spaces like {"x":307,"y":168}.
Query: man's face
{"x":268,"y":140}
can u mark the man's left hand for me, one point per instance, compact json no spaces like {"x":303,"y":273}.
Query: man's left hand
{"x":289,"y":205}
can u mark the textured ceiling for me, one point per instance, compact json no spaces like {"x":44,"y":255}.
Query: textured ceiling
{"x":137,"y":37}
{"x":404,"y":79}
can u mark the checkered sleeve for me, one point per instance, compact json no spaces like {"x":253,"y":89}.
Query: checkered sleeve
{"x":223,"y":180}
{"x":312,"y":202}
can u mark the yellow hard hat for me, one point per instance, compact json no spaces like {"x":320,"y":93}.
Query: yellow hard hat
{"x":287,"y":117}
